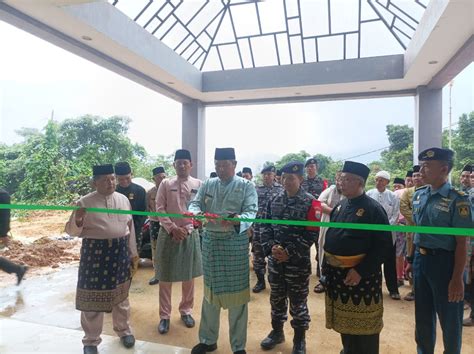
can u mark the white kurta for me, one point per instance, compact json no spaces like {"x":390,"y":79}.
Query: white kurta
{"x":390,"y":203}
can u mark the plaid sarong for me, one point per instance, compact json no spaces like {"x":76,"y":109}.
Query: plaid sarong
{"x":225,"y":262}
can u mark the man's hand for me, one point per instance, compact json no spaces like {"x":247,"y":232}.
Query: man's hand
{"x":352,"y":278}
{"x":179,"y":234}
{"x":79,"y":216}
{"x":456,"y":290}
{"x":280,"y":254}
{"x":409,"y":270}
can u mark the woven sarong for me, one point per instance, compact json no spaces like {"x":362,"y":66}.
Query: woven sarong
{"x":104,"y":274}
{"x":356,"y":310}
{"x":225,"y":263}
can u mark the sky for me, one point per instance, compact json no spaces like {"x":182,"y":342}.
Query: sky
{"x":39,"y":80}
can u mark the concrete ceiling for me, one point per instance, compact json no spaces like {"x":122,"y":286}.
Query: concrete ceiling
{"x":441,"y":47}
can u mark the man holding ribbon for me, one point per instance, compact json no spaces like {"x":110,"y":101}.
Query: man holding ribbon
{"x":108,"y":251}
{"x":352,"y":265}
{"x":225,"y":252}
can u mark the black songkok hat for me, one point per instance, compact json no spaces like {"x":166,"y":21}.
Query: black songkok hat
{"x":157,"y":170}
{"x":356,"y":168}
{"x":224,"y":154}
{"x":122,"y":168}
{"x":247,"y":170}
{"x":278,"y":172}
{"x":436,"y":154}
{"x":239,"y":174}
{"x":311,"y":161}
{"x":270,"y":168}
{"x":102,"y":170}
{"x":468,"y":168}
{"x":398,"y":180}
{"x":213,"y":175}
{"x":294,"y":167}
{"x":182,"y":154}
{"x":416,"y":168}
{"x":409,"y":174}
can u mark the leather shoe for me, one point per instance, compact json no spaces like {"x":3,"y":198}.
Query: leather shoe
{"x":90,"y":349}
{"x":188,"y":320}
{"x":202,"y":348}
{"x":164,"y":326}
{"x":240,"y":352}
{"x":153,"y":281}
{"x":128,"y":341}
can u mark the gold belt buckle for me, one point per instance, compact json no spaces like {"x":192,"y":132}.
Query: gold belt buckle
{"x":423,"y":251}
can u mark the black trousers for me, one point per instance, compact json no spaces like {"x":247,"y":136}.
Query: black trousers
{"x":353,"y":344}
{"x":390,"y":270}
{"x":9,"y":266}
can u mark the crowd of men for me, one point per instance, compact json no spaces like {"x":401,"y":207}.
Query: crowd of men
{"x":211,"y":238}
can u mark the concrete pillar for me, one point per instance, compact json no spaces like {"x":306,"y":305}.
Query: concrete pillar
{"x":428,"y":120}
{"x":194,"y":135}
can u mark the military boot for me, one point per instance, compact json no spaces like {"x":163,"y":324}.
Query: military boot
{"x":260,"y":283}
{"x":276,"y":336}
{"x":299,"y":342}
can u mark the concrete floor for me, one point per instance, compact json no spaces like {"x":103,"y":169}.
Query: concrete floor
{"x":40,"y":317}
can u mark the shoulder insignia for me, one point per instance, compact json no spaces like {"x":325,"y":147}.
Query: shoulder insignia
{"x":463,"y":211}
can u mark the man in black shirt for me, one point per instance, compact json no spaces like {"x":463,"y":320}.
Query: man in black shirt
{"x":136,"y":195}
{"x":352,"y":266}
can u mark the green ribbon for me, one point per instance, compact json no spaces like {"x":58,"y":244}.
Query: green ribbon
{"x":451,"y":231}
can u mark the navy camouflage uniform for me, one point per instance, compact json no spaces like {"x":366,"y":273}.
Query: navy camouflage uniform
{"x":289,"y":279}
{"x":265,"y":195}
{"x":434,"y":260}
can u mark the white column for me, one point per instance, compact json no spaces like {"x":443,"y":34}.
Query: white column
{"x":194,"y":135}
{"x":428,"y":120}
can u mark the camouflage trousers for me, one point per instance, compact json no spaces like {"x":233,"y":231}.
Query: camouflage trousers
{"x":258,"y":257}
{"x":289,"y":283}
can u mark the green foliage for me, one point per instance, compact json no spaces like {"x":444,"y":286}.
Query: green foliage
{"x":54,"y":165}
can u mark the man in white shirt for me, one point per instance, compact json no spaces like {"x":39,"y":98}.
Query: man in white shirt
{"x":391,"y":204}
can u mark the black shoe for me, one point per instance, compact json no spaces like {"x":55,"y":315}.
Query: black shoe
{"x":188,"y":320}
{"x":299,"y":347}
{"x":274,"y":337}
{"x":260,"y":283}
{"x":20,"y":274}
{"x":202,"y":348}
{"x":153,"y":281}
{"x":164,"y":326}
{"x":319,"y":288}
{"x":299,"y":342}
{"x":90,"y":349}
{"x":240,"y":352}
{"x":395,"y":296}
{"x":128,"y":341}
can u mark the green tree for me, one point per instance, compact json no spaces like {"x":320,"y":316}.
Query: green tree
{"x":398,"y":158}
{"x":45,"y":168}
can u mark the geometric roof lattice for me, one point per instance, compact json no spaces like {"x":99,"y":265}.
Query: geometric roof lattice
{"x":236,"y":34}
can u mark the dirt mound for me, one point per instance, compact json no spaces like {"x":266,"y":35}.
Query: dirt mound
{"x":44,"y":252}
{"x":40,"y":223}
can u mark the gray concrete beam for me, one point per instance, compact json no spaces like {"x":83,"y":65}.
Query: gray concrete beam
{"x":322,"y":73}
{"x":49,"y":34}
{"x":458,"y":63}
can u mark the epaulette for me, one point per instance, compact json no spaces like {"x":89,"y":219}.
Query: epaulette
{"x":461,"y":193}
